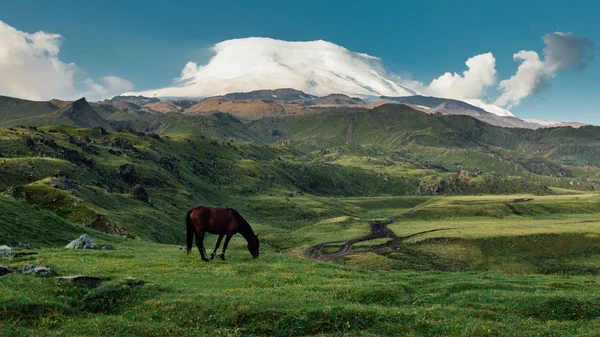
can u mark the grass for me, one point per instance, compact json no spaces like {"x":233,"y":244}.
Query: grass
{"x":517,"y":251}
{"x":281,"y":295}
{"x":518,"y":275}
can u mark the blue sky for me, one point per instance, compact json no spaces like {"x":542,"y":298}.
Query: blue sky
{"x":149,"y":42}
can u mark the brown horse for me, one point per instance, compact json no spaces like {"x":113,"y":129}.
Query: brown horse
{"x":223,"y":221}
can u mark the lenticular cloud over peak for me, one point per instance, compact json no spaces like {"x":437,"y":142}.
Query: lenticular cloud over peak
{"x":321,"y":68}
{"x":315,"y":67}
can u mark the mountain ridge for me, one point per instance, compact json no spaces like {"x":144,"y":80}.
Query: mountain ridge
{"x":255,"y":104}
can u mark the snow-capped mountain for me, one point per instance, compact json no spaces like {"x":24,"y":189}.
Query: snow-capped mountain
{"x":318,"y":68}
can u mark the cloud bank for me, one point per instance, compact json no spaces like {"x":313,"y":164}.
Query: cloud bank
{"x":31,"y":69}
{"x":563,"y":51}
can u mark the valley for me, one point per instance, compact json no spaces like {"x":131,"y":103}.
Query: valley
{"x":379,"y":220}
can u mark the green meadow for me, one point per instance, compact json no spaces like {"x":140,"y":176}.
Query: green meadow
{"x":413,"y":225}
{"x":491,"y":274}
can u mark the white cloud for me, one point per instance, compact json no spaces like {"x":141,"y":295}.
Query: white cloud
{"x":31,"y":69}
{"x":473,"y":83}
{"x":563,"y":51}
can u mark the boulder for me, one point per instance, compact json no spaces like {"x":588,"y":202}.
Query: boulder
{"x":88,"y":281}
{"x":107,"y":247}
{"x":125,"y":172}
{"x":36,"y":270}
{"x":25,"y":245}
{"x":83,"y":242}
{"x":5,"y":270}
{"x":6,"y":252}
{"x":139,"y":193}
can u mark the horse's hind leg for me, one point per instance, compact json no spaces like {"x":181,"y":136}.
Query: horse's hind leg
{"x":200,"y":245}
{"x":214,"y":254}
{"x":225,"y":246}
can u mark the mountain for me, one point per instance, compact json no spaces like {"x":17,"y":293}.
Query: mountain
{"x":554,"y":124}
{"x":123,"y":101}
{"x":456,"y":107}
{"x":81,"y":114}
{"x":246,"y":109}
{"x":335,"y":100}
{"x":13,"y":109}
{"x":257,"y":104}
{"x":278,"y":95}
{"x":318,"y":68}
{"x":168,"y":106}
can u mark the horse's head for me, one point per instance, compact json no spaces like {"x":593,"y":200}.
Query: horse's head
{"x":253,"y":246}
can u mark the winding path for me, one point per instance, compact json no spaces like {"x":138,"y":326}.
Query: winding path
{"x":378,"y":230}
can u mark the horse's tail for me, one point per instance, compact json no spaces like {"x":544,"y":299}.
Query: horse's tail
{"x":190,"y":232}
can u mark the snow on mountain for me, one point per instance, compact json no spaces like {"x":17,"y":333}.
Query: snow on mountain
{"x":540,"y":121}
{"x":496,"y":110}
{"x":318,"y":68}
{"x":552,"y":124}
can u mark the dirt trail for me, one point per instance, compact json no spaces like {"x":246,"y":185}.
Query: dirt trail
{"x":349,"y":132}
{"x":378,"y":230}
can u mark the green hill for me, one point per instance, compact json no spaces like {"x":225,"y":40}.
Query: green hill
{"x":78,"y":113}
{"x":13,"y":109}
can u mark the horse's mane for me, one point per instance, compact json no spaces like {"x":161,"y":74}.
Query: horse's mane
{"x":244,"y":226}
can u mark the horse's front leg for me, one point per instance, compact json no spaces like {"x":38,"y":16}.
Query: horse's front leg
{"x":200,"y":245}
{"x":225,"y":246}
{"x":214,"y":254}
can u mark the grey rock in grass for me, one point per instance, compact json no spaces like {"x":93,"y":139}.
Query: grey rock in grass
{"x":36,"y":270}
{"x":6,"y":252}
{"x":107,"y":247}
{"x":25,"y":245}
{"x":83,"y":242}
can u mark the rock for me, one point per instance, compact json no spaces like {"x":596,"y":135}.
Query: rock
{"x":101,"y":130}
{"x":104,"y":225}
{"x":168,"y":163}
{"x":88,"y":281}
{"x":25,"y":245}
{"x":83,"y":242}
{"x":5,"y":270}
{"x":36,"y":270}
{"x":139,"y":193}
{"x":29,"y":142}
{"x":464,"y":176}
{"x":134,"y":282}
{"x":107,"y":247}
{"x":125,"y":172}
{"x":6,"y":252}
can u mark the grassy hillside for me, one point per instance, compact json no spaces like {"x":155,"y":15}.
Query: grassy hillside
{"x":34,"y":114}
{"x":13,"y":109}
{"x":525,"y":275}
{"x":372,"y":222}
{"x":562,"y":157}
{"x":89,"y":176}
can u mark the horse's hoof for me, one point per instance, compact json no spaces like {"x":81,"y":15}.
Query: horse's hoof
{"x":222,"y":256}
{"x":205,"y":259}
{"x":213,"y":256}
